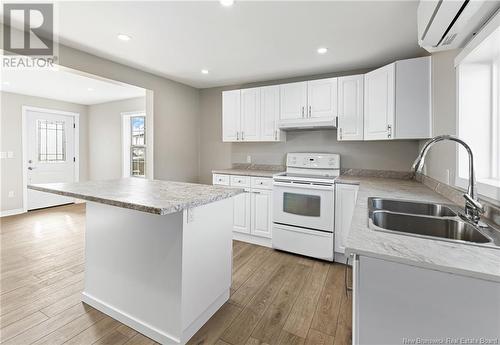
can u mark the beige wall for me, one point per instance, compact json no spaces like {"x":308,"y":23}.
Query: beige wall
{"x":11,"y":140}
{"x":176,"y":110}
{"x":105,"y":136}
{"x":214,"y":154}
{"x":441,"y":158}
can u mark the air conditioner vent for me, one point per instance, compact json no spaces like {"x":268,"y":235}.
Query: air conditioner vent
{"x":449,"y":39}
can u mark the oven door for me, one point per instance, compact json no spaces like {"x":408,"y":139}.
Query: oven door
{"x":305,"y":205}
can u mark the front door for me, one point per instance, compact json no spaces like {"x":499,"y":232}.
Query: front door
{"x":50,"y":155}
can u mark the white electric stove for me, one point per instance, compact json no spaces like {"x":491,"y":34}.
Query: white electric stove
{"x":304,"y":204}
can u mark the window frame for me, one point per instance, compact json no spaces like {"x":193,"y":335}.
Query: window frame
{"x":126,"y":134}
{"x":489,"y":188}
{"x":132,"y":146}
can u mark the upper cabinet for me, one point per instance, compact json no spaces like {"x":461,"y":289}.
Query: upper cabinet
{"x":251,"y":115}
{"x":392,"y":102}
{"x":350,"y":110}
{"x":397,"y":101}
{"x":308,"y":104}
{"x":231,"y":115}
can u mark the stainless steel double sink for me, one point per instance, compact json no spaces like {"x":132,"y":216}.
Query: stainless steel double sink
{"x":428,"y":220}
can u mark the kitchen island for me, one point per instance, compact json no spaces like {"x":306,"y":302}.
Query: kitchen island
{"x":157,"y":253}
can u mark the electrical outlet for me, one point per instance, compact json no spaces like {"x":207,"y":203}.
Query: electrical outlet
{"x":249,"y":159}
{"x":11,"y":194}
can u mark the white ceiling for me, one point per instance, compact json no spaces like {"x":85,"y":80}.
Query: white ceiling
{"x":250,"y":41}
{"x":66,"y":85}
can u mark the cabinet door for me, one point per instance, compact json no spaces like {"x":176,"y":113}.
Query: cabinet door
{"x":345,"y":202}
{"x":231,"y":120}
{"x":293,"y":101}
{"x":250,"y":114}
{"x":379,"y":103}
{"x":269,"y":113}
{"x":322,"y":98}
{"x":350,"y":124}
{"x":261,"y":213}
{"x":241,"y":221}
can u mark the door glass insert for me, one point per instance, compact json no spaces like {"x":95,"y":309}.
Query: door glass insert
{"x":51,"y":141}
{"x":302,"y":204}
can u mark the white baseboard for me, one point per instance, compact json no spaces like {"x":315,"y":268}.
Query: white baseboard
{"x":260,"y":241}
{"x":11,"y":212}
{"x":154,"y":333}
{"x":130,"y":321}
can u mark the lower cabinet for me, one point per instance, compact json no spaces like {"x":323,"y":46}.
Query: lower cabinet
{"x":395,"y":303}
{"x":241,"y":218}
{"x":345,"y":202}
{"x":253,"y":217}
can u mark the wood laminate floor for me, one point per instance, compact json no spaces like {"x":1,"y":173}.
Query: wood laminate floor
{"x":276,"y":298}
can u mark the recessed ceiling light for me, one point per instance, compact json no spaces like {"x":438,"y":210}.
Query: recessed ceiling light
{"x":226,"y":3}
{"x":204,"y":71}
{"x":90,"y":89}
{"x":322,"y":50}
{"x":123,"y":37}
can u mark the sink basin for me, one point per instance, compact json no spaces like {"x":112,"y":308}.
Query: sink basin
{"x":399,"y":206}
{"x":444,"y":228}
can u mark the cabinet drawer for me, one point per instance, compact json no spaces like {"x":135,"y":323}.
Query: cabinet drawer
{"x":262,"y":182}
{"x":240,"y":181}
{"x":222,"y":180}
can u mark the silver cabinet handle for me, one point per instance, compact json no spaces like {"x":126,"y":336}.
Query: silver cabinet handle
{"x":31,"y":168}
{"x":340,"y":133}
{"x":237,"y":135}
{"x":337,"y":121}
{"x":310,"y":111}
{"x":346,"y":276}
{"x":275,"y":134}
{"x":389,"y":131}
{"x":242,"y":135}
{"x":303,"y":111}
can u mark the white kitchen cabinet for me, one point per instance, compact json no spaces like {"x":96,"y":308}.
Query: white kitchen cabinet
{"x":253,"y":218}
{"x":231,"y":115}
{"x":345,"y":202}
{"x":270,"y":114}
{"x":322,"y":98}
{"x":379,"y":103}
{"x":242,"y":213}
{"x":308,"y":104}
{"x":261,"y":208}
{"x":350,"y":110}
{"x":397,"y":101}
{"x":250,"y":114}
{"x":293,"y":102}
{"x":391,"y":298}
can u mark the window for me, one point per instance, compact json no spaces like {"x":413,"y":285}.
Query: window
{"x":479,"y":114}
{"x":51,"y":141}
{"x":138,"y":146}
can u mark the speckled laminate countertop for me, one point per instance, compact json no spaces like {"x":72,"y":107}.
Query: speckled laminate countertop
{"x":151,"y":196}
{"x":247,"y":172}
{"x":439,"y":255}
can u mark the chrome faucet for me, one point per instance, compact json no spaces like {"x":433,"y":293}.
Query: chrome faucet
{"x":473,"y":208}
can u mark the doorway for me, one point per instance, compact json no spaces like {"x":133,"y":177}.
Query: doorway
{"x":51,"y":154}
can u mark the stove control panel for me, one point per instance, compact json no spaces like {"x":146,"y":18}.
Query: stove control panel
{"x":313,"y":160}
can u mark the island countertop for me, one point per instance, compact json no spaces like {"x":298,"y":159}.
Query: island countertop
{"x":151,"y":196}
{"x":470,"y":260}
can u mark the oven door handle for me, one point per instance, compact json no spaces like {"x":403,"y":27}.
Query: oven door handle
{"x":302,"y":186}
